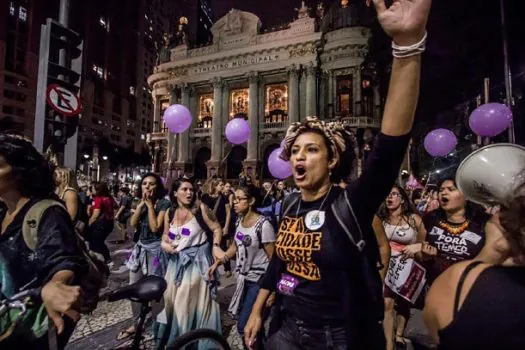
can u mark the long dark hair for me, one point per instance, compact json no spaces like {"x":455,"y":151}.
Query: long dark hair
{"x":251,"y":192}
{"x":175,"y":187}
{"x":407,"y":209}
{"x":160,"y":191}
{"x":473,"y":212}
{"x":32,"y":173}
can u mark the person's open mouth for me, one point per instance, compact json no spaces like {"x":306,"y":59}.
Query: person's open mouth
{"x":300,"y":172}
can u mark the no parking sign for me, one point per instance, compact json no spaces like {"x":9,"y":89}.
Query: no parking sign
{"x":63,"y":101}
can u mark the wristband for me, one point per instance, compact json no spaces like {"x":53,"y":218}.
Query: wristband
{"x":418,"y":48}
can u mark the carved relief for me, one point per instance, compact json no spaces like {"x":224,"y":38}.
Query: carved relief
{"x":178,"y":72}
{"x":300,"y":52}
{"x":234,"y":22}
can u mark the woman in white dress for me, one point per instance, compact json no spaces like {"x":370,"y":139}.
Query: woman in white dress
{"x":190,"y":229}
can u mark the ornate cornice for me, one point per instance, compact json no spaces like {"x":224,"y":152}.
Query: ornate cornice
{"x":217,"y":82}
{"x":292,"y":71}
{"x":301,"y":51}
{"x":253,"y":77}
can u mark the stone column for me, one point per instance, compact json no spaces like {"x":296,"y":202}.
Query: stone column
{"x":377,"y":103}
{"x":357,"y":92}
{"x":216,"y":131}
{"x":311,"y":93}
{"x":156,"y":114}
{"x":253,"y":118}
{"x":293,"y":94}
{"x":171,"y":155}
{"x":184,"y":138}
{"x":330,"y":92}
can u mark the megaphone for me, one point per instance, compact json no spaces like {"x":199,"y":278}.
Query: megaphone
{"x":490,"y":174}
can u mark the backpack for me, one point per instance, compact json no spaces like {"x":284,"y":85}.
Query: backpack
{"x":258,"y":228}
{"x":98,"y":272}
{"x":82,"y":218}
{"x":370,"y":305}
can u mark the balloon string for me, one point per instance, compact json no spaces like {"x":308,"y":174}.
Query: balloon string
{"x":430,"y":174}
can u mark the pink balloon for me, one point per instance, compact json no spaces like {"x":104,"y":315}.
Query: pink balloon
{"x":177,"y":118}
{"x":490,"y":119}
{"x":237,"y":131}
{"x":440,"y":142}
{"x":279,"y":168}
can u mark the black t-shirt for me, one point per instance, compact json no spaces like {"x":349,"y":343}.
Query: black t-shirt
{"x":125,"y":201}
{"x":452,"y":248}
{"x":56,"y":250}
{"x":313,"y":252}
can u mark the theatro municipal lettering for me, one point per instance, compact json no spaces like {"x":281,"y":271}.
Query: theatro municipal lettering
{"x":241,"y":62}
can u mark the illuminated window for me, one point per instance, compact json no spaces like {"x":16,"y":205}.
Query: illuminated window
{"x":132,"y":90}
{"x":12,"y":8}
{"x":276,"y":107}
{"x":22,"y":13}
{"x":99,"y":71}
{"x":239,"y":103}
{"x":104,"y":22}
{"x":344,"y":93}
{"x":205,"y":111}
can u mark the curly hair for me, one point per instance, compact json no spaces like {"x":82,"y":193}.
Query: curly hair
{"x":339,"y":140}
{"x":160,"y":190}
{"x":32,"y":173}
{"x":512,"y":218}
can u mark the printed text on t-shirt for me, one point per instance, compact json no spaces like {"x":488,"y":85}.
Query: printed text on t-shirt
{"x":295,"y":247}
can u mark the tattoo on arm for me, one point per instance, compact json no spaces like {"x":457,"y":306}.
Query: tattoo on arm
{"x":211,"y":215}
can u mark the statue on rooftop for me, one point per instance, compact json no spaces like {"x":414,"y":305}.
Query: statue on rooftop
{"x":164,"y":53}
{"x":303,"y":11}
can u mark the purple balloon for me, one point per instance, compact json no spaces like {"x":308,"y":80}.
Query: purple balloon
{"x":440,"y":142}
{"x":280,"y":169}
{"x":237,"y":131}
{"x":177,"y":118}
{"x":490,"y":119}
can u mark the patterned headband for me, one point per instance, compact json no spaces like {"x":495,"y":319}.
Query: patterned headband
{"x":339,"y":135}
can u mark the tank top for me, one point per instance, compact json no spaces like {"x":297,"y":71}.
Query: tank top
{"x":188,"y":235}
{"x":452,"y":247}
{"x":401,"y":234}
{"x":493,"y":313}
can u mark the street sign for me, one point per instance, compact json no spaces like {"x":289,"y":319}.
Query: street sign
{"x":63,"y":101}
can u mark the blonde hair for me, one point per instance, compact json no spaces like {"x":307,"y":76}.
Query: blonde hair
{"x":68,"y":179}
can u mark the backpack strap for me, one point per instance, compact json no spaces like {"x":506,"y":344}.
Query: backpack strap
{"x":258,"y":229}
{"x":32,"y":220}
{"x":289,"y":202}
{"x":342,"y":219}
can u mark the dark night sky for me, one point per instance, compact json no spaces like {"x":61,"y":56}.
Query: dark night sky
{"x":464,"y":47}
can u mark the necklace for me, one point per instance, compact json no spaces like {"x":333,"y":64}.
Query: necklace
{"x":454,"y":229}
{"x":316,"y":217}
{"x":180,"y":223}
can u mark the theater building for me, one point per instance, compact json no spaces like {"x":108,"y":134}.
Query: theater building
{"x":272,"y":78}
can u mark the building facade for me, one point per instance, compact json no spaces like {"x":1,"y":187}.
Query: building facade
{"x":311,"y":67}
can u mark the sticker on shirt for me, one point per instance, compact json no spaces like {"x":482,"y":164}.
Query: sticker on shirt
{"x":471,"y":236}
{"x":239,"y":236}
{"x":287,"y":284}
{"x":185,"y":231}
{"x":314,"y":219}
{"x":436,"y":231}
{"x":172,"y":234}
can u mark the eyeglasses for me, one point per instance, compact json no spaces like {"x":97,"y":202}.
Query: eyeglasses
{"x":394,"y":194}
{"x":236,"y":199}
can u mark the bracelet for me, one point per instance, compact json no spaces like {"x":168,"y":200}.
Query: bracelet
{"x":408,"y":51}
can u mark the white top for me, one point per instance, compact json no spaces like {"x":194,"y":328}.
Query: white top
{"x":188,"y":235}
{"x":252,"y":260}
{"x":401,"y":234}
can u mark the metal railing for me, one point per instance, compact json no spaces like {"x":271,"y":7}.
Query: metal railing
{"x":273,"y":125}
{"x":362,"y":122}
{"x":200,"y":132}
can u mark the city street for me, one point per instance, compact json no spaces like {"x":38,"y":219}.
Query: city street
{"x":99,"y":330}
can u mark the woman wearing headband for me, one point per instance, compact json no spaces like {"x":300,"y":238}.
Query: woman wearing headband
{"x":475,"y":305}
{"x":315,"y":272}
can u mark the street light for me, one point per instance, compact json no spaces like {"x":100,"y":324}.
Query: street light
{"x":86,"y":156}
{"x":105,"y":157}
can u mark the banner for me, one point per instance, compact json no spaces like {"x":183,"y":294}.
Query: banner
{"x":405,"y":277}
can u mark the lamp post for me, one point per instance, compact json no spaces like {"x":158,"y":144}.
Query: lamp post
{"x":508,"y":76}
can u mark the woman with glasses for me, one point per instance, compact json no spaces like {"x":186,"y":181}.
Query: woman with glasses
{"x":405,"y":231}
{"x":253,"y":246}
